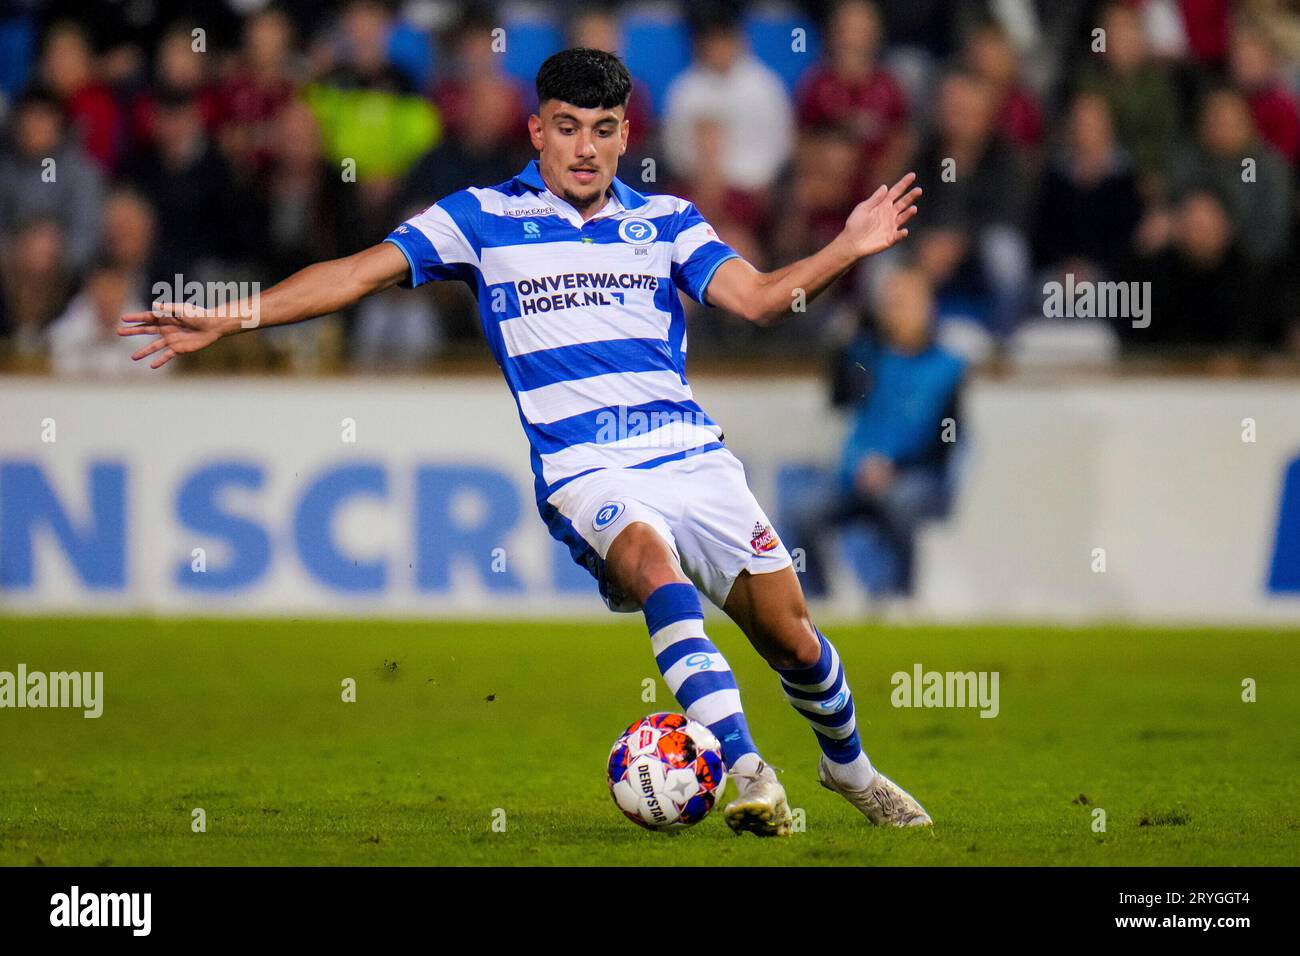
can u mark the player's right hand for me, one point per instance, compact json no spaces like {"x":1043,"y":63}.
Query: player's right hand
{"x":879,"y":221}
{"x":181,"y":328}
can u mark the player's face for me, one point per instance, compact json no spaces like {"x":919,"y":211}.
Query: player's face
{"x":579,"y":149}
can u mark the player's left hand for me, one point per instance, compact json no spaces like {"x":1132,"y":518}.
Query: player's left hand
{"x":878,"y":222}
{"x":180,"y":328}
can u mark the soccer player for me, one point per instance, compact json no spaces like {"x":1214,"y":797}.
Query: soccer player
{"x":577,"y":276}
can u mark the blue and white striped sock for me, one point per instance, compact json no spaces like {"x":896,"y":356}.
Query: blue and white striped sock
{"x":696,"y":673}
{"x":821,"y":694}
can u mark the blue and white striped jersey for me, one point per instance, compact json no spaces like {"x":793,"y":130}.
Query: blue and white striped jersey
{"x":582,"y":317}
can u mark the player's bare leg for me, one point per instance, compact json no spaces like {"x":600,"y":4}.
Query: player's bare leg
{"x":642,"y":565}
{"x":770,"y":609}
{"x":640,"y":562}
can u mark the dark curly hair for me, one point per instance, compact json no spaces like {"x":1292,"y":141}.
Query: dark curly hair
{"x":590,"y":79}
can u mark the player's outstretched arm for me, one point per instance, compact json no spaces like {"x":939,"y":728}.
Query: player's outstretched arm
{"x":767,"y":297}
{"x":319,"y":289}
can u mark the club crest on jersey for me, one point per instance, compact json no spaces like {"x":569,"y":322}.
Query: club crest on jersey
{"x":637,"y":231}
{"x":763,"y":538}
{"x":607,"y":514}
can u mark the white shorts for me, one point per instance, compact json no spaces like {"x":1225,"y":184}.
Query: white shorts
{"x":700,"y":505}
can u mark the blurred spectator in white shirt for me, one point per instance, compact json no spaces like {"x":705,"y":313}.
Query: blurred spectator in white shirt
{"x":83,"y":340}
{"x":726,"y":84}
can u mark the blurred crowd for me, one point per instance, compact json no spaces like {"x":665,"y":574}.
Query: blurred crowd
{"x":1136,"y":141}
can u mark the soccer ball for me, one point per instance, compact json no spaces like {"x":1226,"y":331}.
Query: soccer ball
{"x":666,"y":772}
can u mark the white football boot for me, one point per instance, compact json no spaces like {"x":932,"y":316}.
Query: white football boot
{"x":760,"y":807}
{"x":883,"y":802}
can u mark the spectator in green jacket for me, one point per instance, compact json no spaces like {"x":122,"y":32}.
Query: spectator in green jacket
{"x":367,"y":110}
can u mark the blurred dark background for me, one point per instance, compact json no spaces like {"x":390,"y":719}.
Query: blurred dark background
{"x":241,"y":140}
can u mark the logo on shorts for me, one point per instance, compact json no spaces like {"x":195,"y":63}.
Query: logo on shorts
{"x":607,"y":514}
{"x":763,"y":538}
{"x":637,"y":231}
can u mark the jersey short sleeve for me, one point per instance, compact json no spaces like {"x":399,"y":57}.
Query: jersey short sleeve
{"x":697,"y":253}
{"x":442,"y":242}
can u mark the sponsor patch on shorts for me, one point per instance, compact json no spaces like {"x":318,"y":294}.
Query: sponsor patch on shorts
{"x":607,"y":514}
{"x":763,"y":538}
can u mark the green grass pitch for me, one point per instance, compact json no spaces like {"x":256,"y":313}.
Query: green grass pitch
{"x":454,"y":722}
